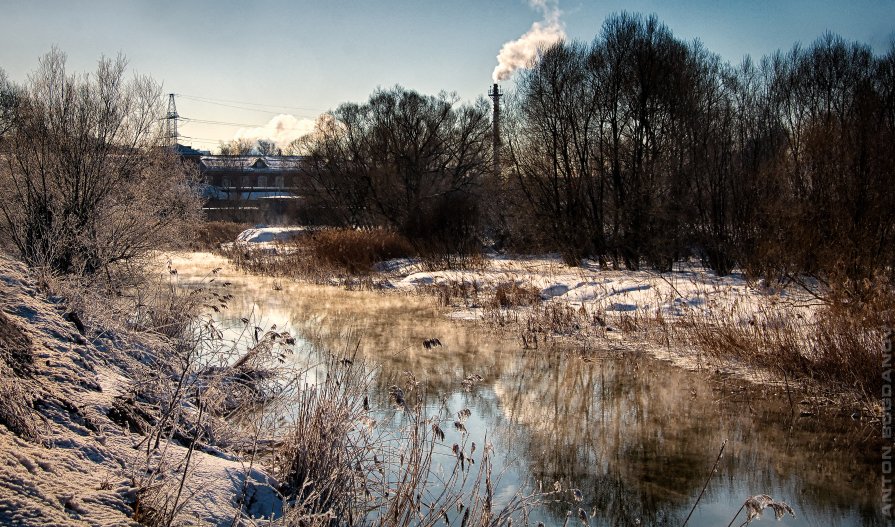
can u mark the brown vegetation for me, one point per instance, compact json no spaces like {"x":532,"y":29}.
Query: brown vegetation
{"x":346,"y":256}
{"x":88,"y":186}
{"x":209,"y":235}
{"x":354,"y":251}
{"x":338,"y":465}
{"x":841,"y":349}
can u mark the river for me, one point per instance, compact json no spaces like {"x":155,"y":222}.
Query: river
{"x":636,"y":435}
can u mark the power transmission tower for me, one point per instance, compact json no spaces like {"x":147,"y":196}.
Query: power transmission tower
{"x":171,"y":125}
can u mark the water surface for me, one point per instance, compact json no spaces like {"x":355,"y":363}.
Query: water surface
{"x":635,"y":435}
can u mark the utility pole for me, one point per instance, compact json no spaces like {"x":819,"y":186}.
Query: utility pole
{"x":495,"y":126}
{"x":171,"y":125}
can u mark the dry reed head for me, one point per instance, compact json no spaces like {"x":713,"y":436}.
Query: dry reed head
{"x":756,"y":504}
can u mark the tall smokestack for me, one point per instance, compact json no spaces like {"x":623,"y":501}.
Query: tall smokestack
{"x":495,"y":126}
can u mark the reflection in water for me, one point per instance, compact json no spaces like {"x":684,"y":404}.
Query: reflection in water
{"x":636,"y":436}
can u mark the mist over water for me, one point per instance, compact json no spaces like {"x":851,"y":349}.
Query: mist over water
{"x":636,"y":436}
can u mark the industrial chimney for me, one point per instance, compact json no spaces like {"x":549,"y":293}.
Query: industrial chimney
{"x":495,"y":126}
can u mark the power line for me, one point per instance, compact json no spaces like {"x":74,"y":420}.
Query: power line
{"x":219,"y":123}
{"x":244,"y":105}
{"x":172,"y":117}
{"x":203,"y":139}
{"x":209,"y":99}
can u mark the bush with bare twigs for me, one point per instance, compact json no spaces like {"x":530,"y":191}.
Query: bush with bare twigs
{"x":339,"y":466}
{"x":89,"y":186}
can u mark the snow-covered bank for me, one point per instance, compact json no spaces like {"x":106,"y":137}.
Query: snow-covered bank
{"x":66,"y":458}
{"x":266,"y":239}
{"x":689,"y":288}
{"x":612,"y":298}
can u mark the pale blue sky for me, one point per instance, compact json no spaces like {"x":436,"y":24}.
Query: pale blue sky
{"x":311,"y":56}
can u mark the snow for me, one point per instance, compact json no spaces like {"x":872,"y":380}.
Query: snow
{"x":689,"y":286}
{"x":269,"y":234}
{"x":80,"y":467}
{"x":689,"y":290}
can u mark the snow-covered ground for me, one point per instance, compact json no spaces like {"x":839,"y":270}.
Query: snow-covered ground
{"x":615,"y":298}
{"x":69,"y":463}
{"x":269,"y":234}
{"x":266,"y":239}
{"x":688,"y":289}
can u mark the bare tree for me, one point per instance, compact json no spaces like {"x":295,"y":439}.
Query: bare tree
{"x":552,"y":150}
{"x":596,"y":142}
{"x":86,"y":180}
{"x":398,"y":158}
{"x":8,"y":101}
{"x":236,"y":147}
{"x":266,"y":147}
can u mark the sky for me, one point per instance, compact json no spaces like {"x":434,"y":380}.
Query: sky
{"x":269,"y":67}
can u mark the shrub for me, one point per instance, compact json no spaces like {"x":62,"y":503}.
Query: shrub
{"x":88,"y":183}
{"x":355,"y":251}
{"x":211,"y":234}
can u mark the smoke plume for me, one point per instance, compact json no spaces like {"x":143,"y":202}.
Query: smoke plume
{"x":520,"y":52}
{"x":282,"y":130}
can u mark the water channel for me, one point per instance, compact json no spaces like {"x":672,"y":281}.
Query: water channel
{"x":634,"y":434}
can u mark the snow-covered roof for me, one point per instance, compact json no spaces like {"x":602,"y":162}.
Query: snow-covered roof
{"x":253,"y":162}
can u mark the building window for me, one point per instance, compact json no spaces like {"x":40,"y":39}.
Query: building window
{"x":225,"y":182}
{"x":281,"y":181}
{"x":246,"y":181}
{"x":262,"y":181}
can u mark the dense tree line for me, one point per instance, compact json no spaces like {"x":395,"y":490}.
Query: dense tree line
{"x":412,"y":162}
{"x":640,"y":148}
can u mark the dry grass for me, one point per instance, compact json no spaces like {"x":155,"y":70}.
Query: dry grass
{"x":835,"y":346}
{"x":211,"y":234}
{"x":15,"y":347}
{"x":344,"y":256}
{"x":840,"y":350}
{"x":340,"y":467}
{"x":355,"y":251}
{"x":438,"y":261}
{"x":455,"y":293}
{"x":16,"y":367}
{"x":513,"y":294}
{"x":319,"y":463}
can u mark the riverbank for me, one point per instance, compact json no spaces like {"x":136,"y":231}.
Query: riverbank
{"x":73,"y":448}
{"x":597,"y":418}
{"x":792,"y":334}
{"x":795,"y":332}
{"x":540,"y":297}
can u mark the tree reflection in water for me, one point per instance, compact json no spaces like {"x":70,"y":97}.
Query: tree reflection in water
{"x":636,"y":436}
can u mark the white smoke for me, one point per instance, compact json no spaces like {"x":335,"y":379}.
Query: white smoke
{"x":282,"y":130}
{"x":520,"y":52}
